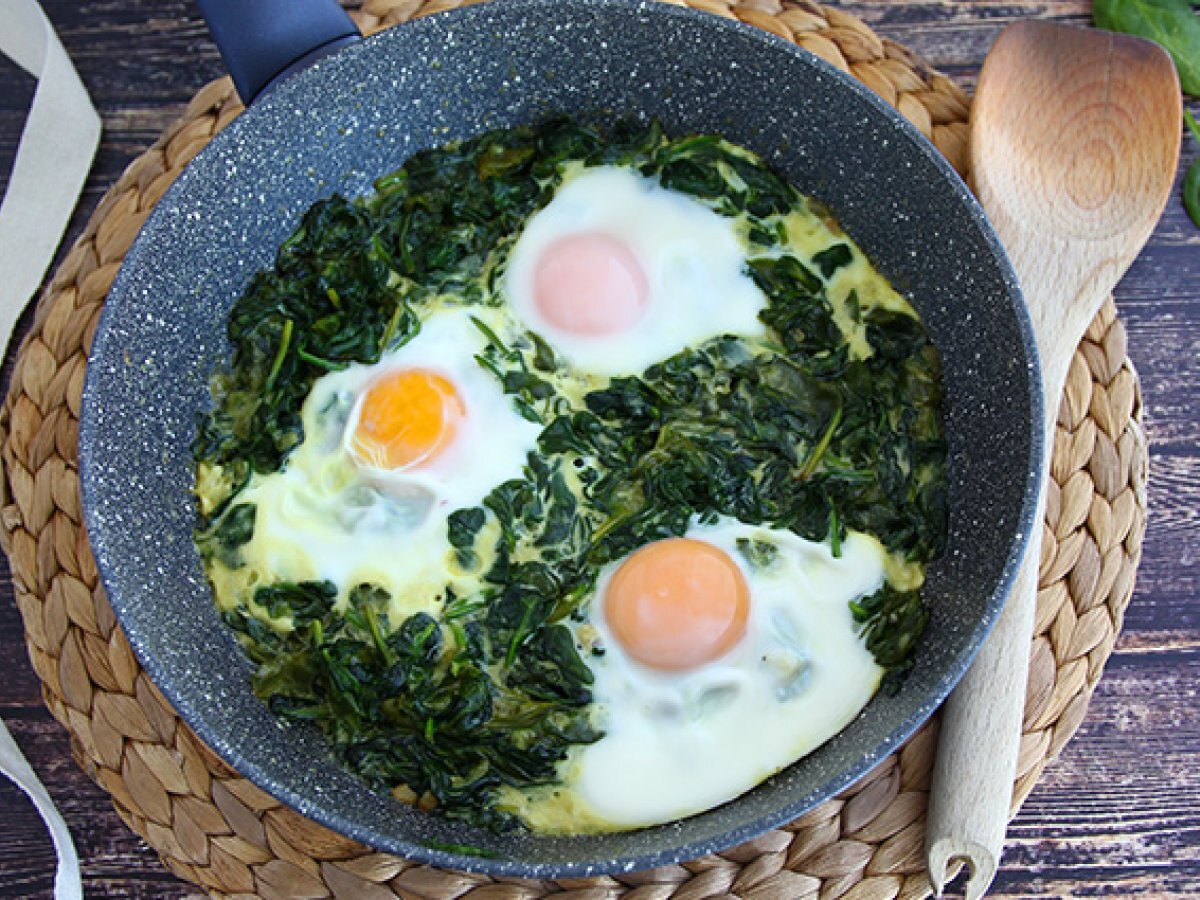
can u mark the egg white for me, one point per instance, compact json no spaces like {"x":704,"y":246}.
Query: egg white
{"x":679,"y":743}
{"x":693,"y":259}
{"x":325,"y":516}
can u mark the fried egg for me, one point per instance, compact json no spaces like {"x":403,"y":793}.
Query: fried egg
{"x":618,"y":273}
{"x":390,"y":450}
{"x":717,"y":671}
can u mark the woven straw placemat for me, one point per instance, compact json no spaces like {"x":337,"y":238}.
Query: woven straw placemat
{"x":216,"y":829}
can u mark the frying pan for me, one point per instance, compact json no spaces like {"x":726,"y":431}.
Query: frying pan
{"x":361,"y":111}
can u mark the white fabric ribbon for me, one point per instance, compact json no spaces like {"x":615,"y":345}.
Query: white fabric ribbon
{"x":68,"y":884}
{"x":53,"y":160}
{"x":52,"y":163}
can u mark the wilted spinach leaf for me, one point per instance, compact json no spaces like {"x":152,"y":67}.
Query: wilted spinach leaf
{"x":792,"y":432}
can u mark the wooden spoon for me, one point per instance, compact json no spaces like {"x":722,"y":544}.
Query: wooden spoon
{"x":1074,"y":141}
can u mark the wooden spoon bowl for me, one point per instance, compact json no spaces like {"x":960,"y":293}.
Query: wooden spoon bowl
{"x":1074,"y":141}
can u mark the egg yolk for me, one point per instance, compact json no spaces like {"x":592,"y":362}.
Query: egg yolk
{"x":677,"y":604}
{"x":590,"y":284}
{"x":407,"y":418}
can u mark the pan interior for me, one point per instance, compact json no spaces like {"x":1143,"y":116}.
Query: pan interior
{"x":363,"y":112}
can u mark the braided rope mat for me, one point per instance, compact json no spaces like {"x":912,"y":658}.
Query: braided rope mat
{"x":216,"y":829}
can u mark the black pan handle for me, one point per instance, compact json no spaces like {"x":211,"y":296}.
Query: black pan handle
{"x":264,"y":41}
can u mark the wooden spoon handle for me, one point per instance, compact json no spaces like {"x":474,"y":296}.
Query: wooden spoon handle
{"x":1074,"y":139}
{"x":968,"y":814}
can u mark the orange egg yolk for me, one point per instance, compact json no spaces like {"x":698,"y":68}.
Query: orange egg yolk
{"x":677,"y":604}
{"x":590,"y":284}
{"x":406,"y":419}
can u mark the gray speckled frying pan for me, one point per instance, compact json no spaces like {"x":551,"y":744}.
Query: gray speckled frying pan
{"x":362,"y":111}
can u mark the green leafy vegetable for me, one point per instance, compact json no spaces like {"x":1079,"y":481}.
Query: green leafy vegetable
{"x":832,"y":259}
{"x":462,"y":849}
{"x":1173,"y":24}
{"x":1191,"y":181}
{"x":760,"y":554}
{"x":890,"y":621}
{"x":791,"y":431}
{"x":226,"y":537}
{"x":462,"y":527}
{"x":407,"y":707}
{"x":303,"y":602}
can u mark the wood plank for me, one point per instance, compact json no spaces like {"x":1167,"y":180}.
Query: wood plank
{"x":115,"y":862}
{"x":20,"y":686}
{"x":1136,"y":826}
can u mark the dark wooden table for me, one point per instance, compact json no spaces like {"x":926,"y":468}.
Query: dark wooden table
{"x":1117,"y":814}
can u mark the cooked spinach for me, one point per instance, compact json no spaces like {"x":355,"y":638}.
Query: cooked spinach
{"x":832,"y":259}
{"x":225,"y":538}
{"x":793,"y":432}
{"x":764,"y":438}
{"x":891,"y":621}
{"x":760,"y":554}
{"x":407,"y":706}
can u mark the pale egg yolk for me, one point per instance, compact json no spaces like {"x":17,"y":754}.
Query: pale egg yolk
{"x":590,"y":284}
{"x":406,"y":418}
{"x":677,"y":604}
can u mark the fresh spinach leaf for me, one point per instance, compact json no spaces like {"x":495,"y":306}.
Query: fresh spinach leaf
{"x":1191,"y":181}
{"x":1170,"y":23}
